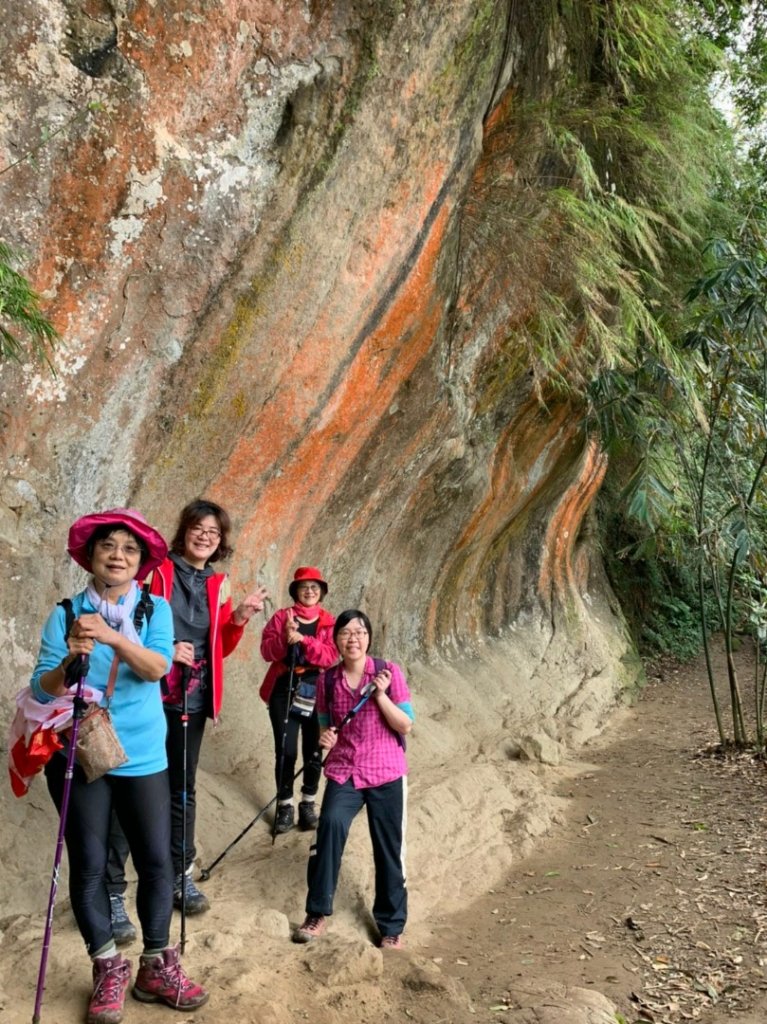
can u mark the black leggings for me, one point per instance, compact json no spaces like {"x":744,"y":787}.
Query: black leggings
{"x":174,"y":745}
{"x":142,"y":806}
{"x":310,"y":745}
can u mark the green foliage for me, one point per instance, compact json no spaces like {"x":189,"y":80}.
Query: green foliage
{"x":653,"y":578}
{"x":613,"y":187}
{"x":23,"y":327}
{"x":706,"y":423}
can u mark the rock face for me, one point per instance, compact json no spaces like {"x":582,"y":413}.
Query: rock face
{"x":269,"y":235}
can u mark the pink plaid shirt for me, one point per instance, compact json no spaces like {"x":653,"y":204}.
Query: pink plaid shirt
{"x":367,"y":750}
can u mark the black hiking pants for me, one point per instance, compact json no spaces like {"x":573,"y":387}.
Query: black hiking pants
{"x":386,"y":808}
{"x":309,"y":730}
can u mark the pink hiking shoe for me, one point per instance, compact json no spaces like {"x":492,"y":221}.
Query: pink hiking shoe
{"x":111,"y":977}
{"x":392,"y":942}
{"x":161,"y":979}
{"x":313,"y":927}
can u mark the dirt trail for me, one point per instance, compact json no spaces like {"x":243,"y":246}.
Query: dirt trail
{"x":649,"y":890}
{"x":652,"y":891}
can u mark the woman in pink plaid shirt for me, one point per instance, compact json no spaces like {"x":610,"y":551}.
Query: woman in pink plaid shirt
{"x":365,"y":766}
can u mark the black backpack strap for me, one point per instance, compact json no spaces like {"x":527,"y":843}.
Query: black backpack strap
{"x":69,"y":615}
{"x":144,"y":608}
{"x":69,"y":621}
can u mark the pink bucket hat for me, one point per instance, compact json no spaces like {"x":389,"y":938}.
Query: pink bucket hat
{"x":82,"y":530}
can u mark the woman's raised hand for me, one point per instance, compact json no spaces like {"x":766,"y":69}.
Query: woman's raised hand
{"x":252,"y":604}
{"x":292,"y":635}
{"x":328,"y":738}
{"x":382,"y":681}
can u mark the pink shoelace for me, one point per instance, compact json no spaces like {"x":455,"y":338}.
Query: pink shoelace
{"x":173,"y":975}
{"x":110,"y":985}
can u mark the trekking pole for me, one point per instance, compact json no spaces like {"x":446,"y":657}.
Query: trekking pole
{"x":364,"y":698}
{"x":206,"y":872}
{"x":78,"y":710}
{"x":281,"y":769}
{"x":185,"y":674}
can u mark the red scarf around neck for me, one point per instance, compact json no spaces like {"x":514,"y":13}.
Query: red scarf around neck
{"x":300,"y":611}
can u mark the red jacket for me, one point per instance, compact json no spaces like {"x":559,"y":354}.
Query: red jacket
{"x":320,"y":650}
{"x":224,"y":633}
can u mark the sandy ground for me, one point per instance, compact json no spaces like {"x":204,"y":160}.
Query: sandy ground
{"x":642,"y":899}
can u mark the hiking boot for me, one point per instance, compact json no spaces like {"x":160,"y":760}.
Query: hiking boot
{"x":285,"y":819}
{"x":161,"y":979}
{"x":307,"y":816}
{"x":196,"y":902}
{"x":111,"y":977}
{"x":392,"y":942}
{"x":123,"y":929}
{"x":313,"y":927}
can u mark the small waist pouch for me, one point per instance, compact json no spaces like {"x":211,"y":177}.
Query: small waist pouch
{"x":304,"y":699}
{"x":173,"y":684}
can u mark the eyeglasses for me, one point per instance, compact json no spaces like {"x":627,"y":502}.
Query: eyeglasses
{"x":308,"y":586}
{"x":110,"y":547}
{"x":348,"y":634}
{"x":212,"y":532}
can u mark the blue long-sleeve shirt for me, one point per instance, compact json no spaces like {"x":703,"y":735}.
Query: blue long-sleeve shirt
{"x":136,"y":706}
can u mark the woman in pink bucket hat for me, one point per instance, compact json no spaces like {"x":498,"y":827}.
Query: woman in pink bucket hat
{"x":128,"y":638}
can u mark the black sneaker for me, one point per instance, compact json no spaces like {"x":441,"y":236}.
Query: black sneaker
{"x":285,"y":819}
{"x":196,"y":902}
{"x":307,"y":816}
{"x":123,"y":929}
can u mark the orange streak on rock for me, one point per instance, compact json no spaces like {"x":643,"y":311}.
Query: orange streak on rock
{"x":498,"y":116}
{"x":558,"y":577}
{"x":354,"y":407}
{"x":522,"y":467}
{"x":517,"y":473}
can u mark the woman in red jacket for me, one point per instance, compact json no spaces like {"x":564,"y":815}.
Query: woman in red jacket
{"x":206,"y":629}
{"x":301,"y":637}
